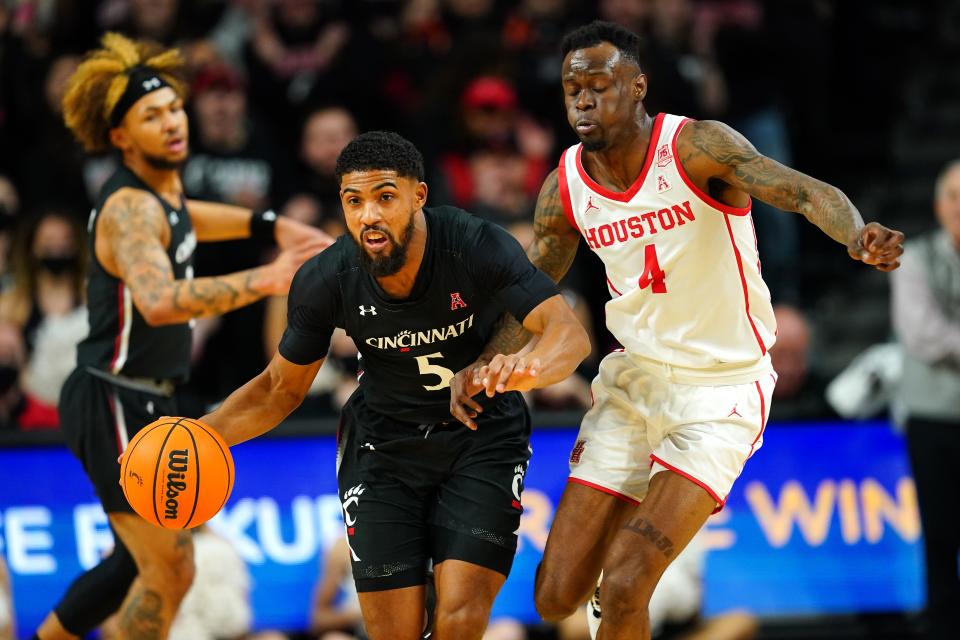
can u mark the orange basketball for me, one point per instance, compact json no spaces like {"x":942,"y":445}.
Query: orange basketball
{"x":177,"y":473}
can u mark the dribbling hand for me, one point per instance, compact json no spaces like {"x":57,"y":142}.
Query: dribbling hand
{"x":877,"y":246}
{"x":463,"y":386}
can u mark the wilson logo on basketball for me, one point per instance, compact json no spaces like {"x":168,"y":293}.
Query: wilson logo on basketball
{"x":177,"y":463}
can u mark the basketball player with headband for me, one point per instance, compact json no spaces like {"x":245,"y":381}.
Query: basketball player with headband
{"x":129,"y":96}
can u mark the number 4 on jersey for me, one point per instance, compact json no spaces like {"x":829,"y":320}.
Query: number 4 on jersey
{"x":652,"y":273}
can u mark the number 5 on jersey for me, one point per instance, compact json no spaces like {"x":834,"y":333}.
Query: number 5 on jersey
{"x":652,"y":273}
{"x":427,"y":369}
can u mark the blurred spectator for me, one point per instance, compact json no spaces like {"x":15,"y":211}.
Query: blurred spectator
{"x":335,"y":614}
{"x":8,"y":620}
{"x":800,"y":393}
{"x":738,"y":34}
{"x":926,"y":318}
{"x":291,"y":57}
{"x":678,"y":64}
{"x":13,"y":356}
{"x":630,"y":14}
{"x":53,"y":158}
{"x":9,"y":207}
{"x":499,"y":157}
{"x":45,"y":302}
{"x":326,"y":131}
{"x":232,"y":159}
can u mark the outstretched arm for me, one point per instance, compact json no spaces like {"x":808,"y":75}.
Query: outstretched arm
{"x":711,"y":150}
{"x":217,"y":221}
{"x":132,"y":235}
{"x":263,"y":403}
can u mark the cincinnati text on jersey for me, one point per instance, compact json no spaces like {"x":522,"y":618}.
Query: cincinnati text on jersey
{"x":407,"y":338}
{"x":636,"y":226}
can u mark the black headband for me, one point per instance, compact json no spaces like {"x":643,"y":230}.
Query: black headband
{"x":143,"y":80}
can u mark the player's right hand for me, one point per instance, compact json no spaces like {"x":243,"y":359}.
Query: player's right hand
{"x":285,"y":266}
{"x":509,"y":373}
{"x":463,"y":386}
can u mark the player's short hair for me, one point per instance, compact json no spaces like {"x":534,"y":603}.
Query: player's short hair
{"x":383,"y":150}
{"x":627,"y":42}
{"x":101,"y":81}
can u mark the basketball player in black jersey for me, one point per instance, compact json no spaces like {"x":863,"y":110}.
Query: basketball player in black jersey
{"x":418,"y":289}
{"x":141,"y":297}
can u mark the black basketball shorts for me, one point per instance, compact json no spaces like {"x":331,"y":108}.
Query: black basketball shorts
{"x":98,"y":419}
{"x":414,"y":493}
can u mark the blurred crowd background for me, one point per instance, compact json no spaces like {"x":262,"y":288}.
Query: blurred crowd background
{"x":864,"y":94}
{"x":851,"y":92}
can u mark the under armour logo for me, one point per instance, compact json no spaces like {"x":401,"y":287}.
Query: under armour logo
{"x":734,"y":412}
{"x":364,"y":311}
{"x":151,"y":84}
{"x":173,"y":218}
{"x":456,"y":302}
{"x":590,"y":205}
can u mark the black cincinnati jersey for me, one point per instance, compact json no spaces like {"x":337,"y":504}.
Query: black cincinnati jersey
{"x":472,"y":271}
{"x":120,"y":340}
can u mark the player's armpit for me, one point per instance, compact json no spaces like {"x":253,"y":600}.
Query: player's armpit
{"x":263,"y":403}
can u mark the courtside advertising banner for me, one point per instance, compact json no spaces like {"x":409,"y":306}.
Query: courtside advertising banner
{"x":823,"y":520}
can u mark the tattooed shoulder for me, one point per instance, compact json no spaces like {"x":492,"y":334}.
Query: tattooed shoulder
{"x":132,"y":210}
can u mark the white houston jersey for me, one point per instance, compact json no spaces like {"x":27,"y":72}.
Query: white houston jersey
{"x":682,"y":268}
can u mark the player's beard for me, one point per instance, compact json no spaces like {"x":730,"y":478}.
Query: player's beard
{"x":382,"y":266}
{"x":163,"y":164}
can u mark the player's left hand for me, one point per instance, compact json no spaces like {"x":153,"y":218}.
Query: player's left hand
{"x":463,"y":386}
{"x":512,"y":372}
{"x":877,"y":246}
{"x":291,"y":234}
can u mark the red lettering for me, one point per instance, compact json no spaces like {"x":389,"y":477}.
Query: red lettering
{"x":591,"y":236}
{"x":664,"y":223}
{"x":606,"y":239}
{"x":648,"y":217}
{"x":620,"y":228}
{"x":636,"y":227}
{"x":683,"y":211}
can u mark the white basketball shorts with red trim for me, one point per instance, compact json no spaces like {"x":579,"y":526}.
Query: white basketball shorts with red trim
{"x":645,"y":421}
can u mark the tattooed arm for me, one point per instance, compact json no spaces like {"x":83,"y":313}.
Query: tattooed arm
{"x":132,"y":236}
{"x":723,"y":163}
{"x":552,"y":251}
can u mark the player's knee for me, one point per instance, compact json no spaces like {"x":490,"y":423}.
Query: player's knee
{"x":626,"y":590}
{"x":554,"y":595}
{"x":460,"y":619}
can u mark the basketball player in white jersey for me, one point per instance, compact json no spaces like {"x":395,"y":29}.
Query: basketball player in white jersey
{"x":665,"y":202}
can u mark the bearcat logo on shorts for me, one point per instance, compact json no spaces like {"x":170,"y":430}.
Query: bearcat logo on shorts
{"x":177,"y":463}
{"x":518,"y":473}
{"x":577,"y":451}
